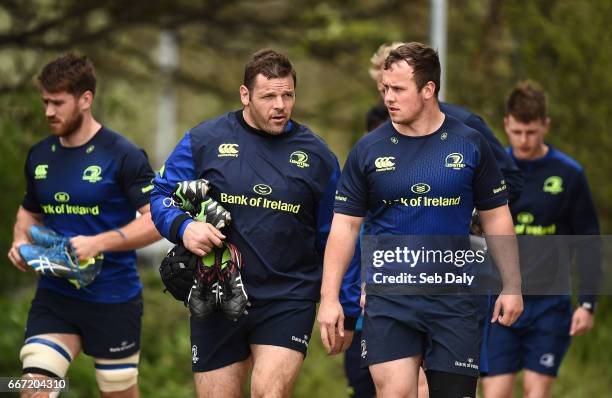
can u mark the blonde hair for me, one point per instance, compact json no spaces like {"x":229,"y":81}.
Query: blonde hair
{"x":378,"y":59}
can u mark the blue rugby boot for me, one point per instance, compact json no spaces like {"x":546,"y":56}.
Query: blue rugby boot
{"x":46,"y":237}
{"x":59,"y":261}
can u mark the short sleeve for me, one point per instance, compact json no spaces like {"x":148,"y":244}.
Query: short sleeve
{"x":489,"y":187}
{"x":30,"y":202}
{"x":513,"y":176}
{"x":351,"y":195}
{"x":135,"y":177}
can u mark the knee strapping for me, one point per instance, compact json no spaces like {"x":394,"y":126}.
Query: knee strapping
{"x":46,"y":355}
{"x":117,"y":374}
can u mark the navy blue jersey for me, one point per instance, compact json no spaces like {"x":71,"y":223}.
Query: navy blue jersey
{"x":512,"y":174}
{"x":279,"y":190}
{"x":349,"y":295}
{"x":556,"y":199}
{"x":87,"y":190}
{"x":425,"y":185}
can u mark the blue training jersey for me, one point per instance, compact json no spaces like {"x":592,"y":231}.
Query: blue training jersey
{"x":513,"y":179}
{"x":279,"y":190}
{"x":556,"y":200}
{"x":425,"y":185}
{"x":87,"y":190}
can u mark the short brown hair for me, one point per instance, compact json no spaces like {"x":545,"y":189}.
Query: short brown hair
{"x":423,"y":60}
{"x":269,"y":63}
{"x":527,"y":102}
{"x":71,"y":73}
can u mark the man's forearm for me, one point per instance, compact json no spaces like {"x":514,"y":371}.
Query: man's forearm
{"x":588,"y":256}
{"x":338,"y":254}
{"x":23,"y":223}
{"x":504,"y":250}
{"x":501,"y":240}
{"x":138,"y":233}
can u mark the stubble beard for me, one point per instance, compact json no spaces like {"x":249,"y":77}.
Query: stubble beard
{"x":266,"y":124}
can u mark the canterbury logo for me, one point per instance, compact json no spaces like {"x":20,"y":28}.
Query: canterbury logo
{"x":40,"y":173}
{"x":384,"y":163}
{"x":228,"y":150}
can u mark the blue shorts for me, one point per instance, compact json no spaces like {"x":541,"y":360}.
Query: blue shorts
{"x":107,"y":330}
{"x":445,"y":330}
{"x":217,"y":342}
{"x":537,"y":341}
{"x":359,"y":378}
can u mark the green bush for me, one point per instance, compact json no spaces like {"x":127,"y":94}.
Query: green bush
{"x":165,"y":364}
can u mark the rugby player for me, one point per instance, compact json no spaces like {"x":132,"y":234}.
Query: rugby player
{"x":556,"y":200}
{"x":84,"y":182}
{"x":396,"y":337}
{"x":277,"y":179}
{"x":359,"y":378}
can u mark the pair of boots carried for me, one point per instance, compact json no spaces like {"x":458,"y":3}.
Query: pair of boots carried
{"x":213,"y":282}
{"x":51,"y":254}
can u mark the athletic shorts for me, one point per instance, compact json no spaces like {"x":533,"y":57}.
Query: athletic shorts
{"x":445,"y":330}
{"x":217,"y":342}
{"x":537,"y":341}
{"x":110,"y":331}
{"x":359,"y":378}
